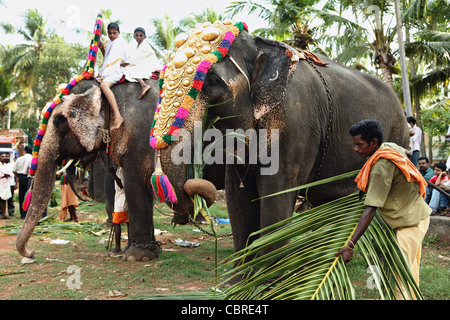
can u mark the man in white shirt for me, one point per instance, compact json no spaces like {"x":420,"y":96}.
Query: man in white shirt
{"x":21,"y":171}
{"x":416,"y":140}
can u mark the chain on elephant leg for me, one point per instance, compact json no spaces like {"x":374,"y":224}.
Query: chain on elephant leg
{"x":143,"y":253}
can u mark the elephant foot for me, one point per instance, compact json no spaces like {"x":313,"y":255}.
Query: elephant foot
{"x":143,"y":253}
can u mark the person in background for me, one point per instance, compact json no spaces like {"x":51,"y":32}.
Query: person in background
{"x":416,"y":139}
{"x":69,"y":201}
{"x":424,"y":167}
{"x":13,"y":183}
{"x":437,"y":199}
{"x":446,"y":187}
{"x":394,"y":186}
{"x":5,"y":189}
{"x":21,"y":170}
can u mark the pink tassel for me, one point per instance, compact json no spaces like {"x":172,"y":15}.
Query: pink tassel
{"x":162,"y":188}
{"x":26,"y":202}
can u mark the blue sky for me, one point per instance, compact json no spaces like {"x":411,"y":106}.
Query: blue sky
{"x":66,"y":16}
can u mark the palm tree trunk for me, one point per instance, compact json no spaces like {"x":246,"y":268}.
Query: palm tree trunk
{"x":387,"y":75}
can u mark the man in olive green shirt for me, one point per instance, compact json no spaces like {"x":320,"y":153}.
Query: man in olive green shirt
{"x":399,"y":201}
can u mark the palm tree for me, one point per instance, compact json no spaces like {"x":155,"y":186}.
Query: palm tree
{"x":288,"y":20}
{"x":430,"y":44}
{"x":208,"y":15}
{"x":428,"y":50}
{"x":26,"y":55}
{"x":364,"y":31}
{"x":8,"y":94}
{"x":163,"y":38}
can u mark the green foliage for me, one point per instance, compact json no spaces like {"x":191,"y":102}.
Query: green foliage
{"x":57,"y":64}
{"x":306,"y":267}
{"x":436,"y":119}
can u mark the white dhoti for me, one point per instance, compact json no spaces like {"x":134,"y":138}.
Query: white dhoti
{"x":142,"y":63}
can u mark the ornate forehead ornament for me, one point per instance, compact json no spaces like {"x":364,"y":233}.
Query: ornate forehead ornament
{"x":181,"y":80}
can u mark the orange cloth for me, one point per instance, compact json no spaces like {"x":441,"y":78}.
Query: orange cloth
{"x":407,"y":167}
{"x":68,"y":198}
{"x":120,"y":217}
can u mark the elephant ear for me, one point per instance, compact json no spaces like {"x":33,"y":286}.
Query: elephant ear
{"x":83,"y":115}
{"x":273,"y":69}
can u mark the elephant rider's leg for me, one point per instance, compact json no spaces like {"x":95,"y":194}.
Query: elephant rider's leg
{"x":145,"y":88}
{"x":117,"y":119}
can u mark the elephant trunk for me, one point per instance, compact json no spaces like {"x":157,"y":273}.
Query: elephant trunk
{"x":201,"y":187}
{"x":44,"y":181}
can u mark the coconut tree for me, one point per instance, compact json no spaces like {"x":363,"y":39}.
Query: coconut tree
{"x":26,"y":55}
{"x":288,"y":20}
{"x":428,"y":50}
{"x":163,"y":38}
{"x":208,"y":15}
{"x":8,"y":94}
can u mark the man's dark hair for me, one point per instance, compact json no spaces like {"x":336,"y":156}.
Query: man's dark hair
{"x":368,"y":129}
{"x":411,"y":119}
{"x":441,"y":166}
{"x":114,"y":26}
{"x":139,"y":29}
{"x":423,"y":158}
{"x":28,"y":149}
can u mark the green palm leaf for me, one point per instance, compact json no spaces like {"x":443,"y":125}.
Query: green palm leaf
{"x":306,"y":267}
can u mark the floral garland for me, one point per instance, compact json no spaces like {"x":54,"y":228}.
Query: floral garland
{"x":162,"y":188}
{"x":86,"y":74}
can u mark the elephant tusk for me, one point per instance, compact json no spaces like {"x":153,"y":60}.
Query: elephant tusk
{"x":66,"y":166}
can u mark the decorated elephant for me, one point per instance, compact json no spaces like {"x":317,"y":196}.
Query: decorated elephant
{"x":75,"y":130}
{"x":291,"y":104}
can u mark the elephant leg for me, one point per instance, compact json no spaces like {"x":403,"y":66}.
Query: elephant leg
{"x":277,"y":208}
{"x":143,"y":246}
{"x":244,"y":214}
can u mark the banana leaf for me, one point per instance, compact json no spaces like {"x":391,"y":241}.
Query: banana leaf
{"x":296,"y":258}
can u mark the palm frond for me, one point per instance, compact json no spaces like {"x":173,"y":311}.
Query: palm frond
{"x":306,"y":267}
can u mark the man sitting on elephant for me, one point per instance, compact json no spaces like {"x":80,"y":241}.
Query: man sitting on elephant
{"x":111,"y":71}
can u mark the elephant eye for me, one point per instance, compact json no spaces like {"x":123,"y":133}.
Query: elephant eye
{"x":214,"y":87}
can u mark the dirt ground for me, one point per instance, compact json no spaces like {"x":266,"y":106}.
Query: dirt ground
{"x":100,"y":261}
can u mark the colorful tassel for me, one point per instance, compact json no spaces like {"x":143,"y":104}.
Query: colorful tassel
{"x":27,"y":200}
{"x":162,"y":188}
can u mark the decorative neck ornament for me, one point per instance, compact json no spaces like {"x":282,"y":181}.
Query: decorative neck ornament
{"x":87,"y":73}
{"x":180,"y":83}
{"x":182,"y":79}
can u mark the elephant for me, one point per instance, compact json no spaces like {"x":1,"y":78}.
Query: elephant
{"x":298,"y":105}
{"x":74,"y":131}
